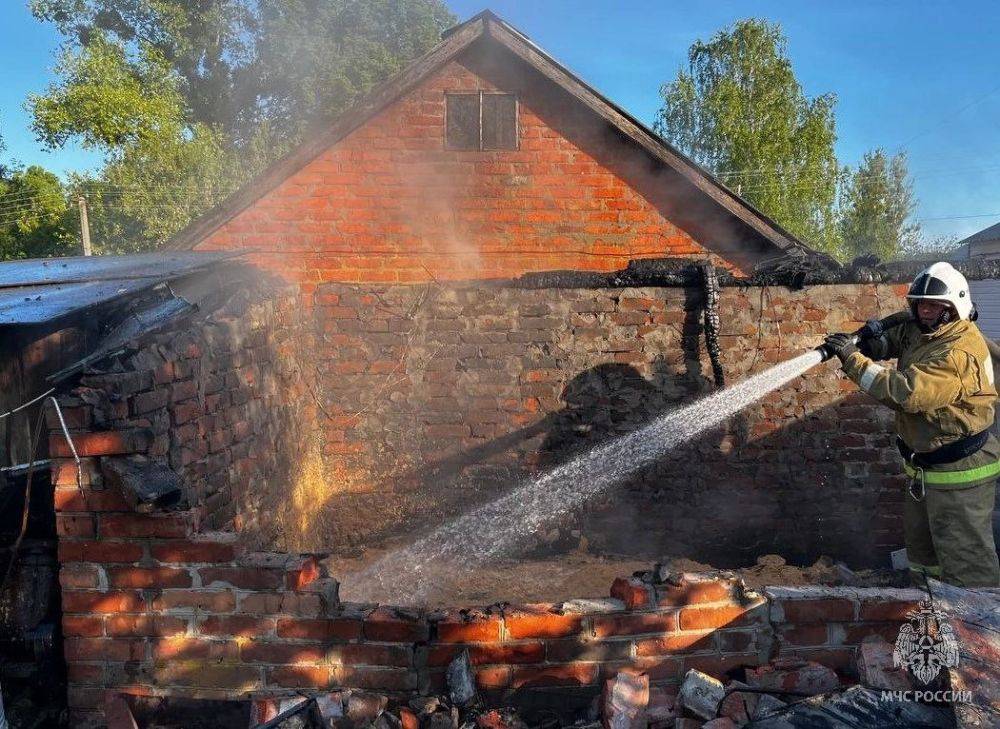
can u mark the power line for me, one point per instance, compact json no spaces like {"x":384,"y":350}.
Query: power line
{"x":951,"y":116}
{"x":30,"y":201}
{"x":21,"y":196}
{"x":914,"y":175}
{"x":26,"y":219}
{"x":961,"y":217}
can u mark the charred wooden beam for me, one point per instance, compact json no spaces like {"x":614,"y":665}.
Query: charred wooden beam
{"x":146,"y":485}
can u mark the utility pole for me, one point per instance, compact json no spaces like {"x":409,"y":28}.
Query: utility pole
{"x":84,"y":226}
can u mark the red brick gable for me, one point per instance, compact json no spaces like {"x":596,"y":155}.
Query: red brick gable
{"x":390,"y":203}
{"x":589,"y":187}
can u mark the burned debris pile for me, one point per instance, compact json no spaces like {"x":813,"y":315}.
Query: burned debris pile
{"x":781,"y":695}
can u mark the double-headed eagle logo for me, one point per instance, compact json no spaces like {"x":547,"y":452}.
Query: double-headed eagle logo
{"x":925,"y":644}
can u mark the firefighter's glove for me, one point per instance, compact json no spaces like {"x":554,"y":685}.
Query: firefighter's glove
{"x":842,"y":345}
{"x":873,"y":329}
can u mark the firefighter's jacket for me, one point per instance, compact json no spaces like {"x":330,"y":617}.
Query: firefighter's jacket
{"x":942,"y":387}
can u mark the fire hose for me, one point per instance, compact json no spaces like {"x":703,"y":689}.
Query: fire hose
{"x":875,"y":328}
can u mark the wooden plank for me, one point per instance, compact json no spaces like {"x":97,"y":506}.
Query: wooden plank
{"x":80,"y":269}
{"x":10,"y":395}
{"x":25,"y":361}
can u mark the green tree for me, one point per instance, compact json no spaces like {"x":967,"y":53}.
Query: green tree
{"x":876,"y":201}
{"x":235,"y":63}
{"x":161,"y":169}
{"x":188,"y":100}
{"x":207,"y":44}
{"x":151,"y":190}
{"x":314,"y":58}
{"x":36,"y":219}
{"x":108,"y":99}
{"x":739,"y":111}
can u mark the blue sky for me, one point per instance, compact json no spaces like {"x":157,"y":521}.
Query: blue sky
{"x":920,"y":75}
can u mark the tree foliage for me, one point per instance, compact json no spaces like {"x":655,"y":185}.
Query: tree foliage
{"x":738,"y":110}
{"x":918,"y":248}
{"x":206,"y":44}
{"x":109,"y":101}
{"x":190,"y":99}
{"x":877,"y":200}
{"x":36,"y":219}
{"x":313,"y":58}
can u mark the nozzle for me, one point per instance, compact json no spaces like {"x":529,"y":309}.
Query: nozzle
{"x":829,"y":353}
{"x":873,"y":329}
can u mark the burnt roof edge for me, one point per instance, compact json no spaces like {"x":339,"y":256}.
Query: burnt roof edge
{"x":794,"y":272}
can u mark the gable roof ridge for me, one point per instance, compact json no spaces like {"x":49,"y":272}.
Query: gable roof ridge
{"x":652,"y":142}
{"x":454,"y":41}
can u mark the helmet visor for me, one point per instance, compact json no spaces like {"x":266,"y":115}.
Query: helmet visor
{"x":927,"y":285}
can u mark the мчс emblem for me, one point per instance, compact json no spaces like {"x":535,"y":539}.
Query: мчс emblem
{"x":925,"y":644}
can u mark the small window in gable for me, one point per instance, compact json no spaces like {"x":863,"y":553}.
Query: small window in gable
{"x":481,"y":121}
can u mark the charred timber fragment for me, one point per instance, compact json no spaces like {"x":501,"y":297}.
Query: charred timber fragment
{"x":711,"y":285}
{"x":794,"y":272}
{"x":146,"y":485}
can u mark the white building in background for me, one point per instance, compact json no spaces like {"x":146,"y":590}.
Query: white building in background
{"x":984,"y":245}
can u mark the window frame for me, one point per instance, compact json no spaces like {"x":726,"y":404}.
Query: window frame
{"x":479,"y":94}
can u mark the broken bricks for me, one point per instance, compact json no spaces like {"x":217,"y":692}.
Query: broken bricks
{"x":876,"y":668}
{"x":662,"y":708}
{"x":738,"y":705}
{"x":505,"y":718}
{"x":701,"y":694}
{"x":364,"y":707}
{"x":625,"y":700}
{"x":805,"y":678}
{"x":460,"y":679}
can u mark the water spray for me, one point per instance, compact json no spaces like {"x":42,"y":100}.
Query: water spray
{"x":503,"y":526}
{"x":873,"y":329}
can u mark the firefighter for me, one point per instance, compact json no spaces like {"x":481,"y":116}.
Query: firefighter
{"x":943,"y":393}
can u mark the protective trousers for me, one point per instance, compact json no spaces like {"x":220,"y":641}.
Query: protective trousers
{"x":949,"y":534}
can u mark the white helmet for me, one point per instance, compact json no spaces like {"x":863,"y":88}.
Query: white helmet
{"x":941,"y":282}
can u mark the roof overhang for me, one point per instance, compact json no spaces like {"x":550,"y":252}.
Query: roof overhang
{"x":41,"y":291}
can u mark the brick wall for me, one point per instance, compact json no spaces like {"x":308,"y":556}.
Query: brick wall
{"x":165,"y":604}
{"x":446,"y":396}
{"x":378,"y":410}
{"x":153,"y":608}
{"x":389,"y":203}
{"x":220,"y":401}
